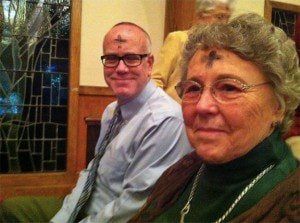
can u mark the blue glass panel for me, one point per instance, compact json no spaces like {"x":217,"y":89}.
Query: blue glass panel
{"x":34,"y":70}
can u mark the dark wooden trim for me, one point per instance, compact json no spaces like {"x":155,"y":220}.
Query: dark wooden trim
{"x":169,"y":17}
{"x":93,"y":90}
{"x":93,"y":126}
{"x":179,"y":15}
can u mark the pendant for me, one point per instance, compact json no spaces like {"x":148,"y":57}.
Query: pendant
{"x":183,"y":212}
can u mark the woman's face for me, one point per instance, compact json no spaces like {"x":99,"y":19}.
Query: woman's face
{"x":223,"y":131}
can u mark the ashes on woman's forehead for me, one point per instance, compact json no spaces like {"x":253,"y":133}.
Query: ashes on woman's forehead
{"x":212,"y":56}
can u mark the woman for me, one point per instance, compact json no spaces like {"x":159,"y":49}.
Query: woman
{"x":240,"y":88}
{"x":166,"y":72}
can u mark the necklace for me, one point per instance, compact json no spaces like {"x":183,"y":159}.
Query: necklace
{"x":185,"y":210}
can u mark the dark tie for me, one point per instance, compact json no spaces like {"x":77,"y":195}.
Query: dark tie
{"x":113,"y":129}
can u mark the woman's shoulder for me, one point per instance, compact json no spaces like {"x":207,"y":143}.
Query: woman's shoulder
{"x":279,"y":205}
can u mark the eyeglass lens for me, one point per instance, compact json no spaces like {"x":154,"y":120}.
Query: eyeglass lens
{"x":130,"y":60}
{"x":222,"y":90}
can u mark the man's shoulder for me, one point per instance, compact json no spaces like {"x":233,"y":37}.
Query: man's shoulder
{"x":111,"y":105}
{"x":163,"y":105}
{"x":109,"y":109}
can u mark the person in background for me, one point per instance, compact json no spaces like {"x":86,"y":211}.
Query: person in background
{"x":239,"y":91}
{"x":142,"y":134}
{"x":166,"y":72}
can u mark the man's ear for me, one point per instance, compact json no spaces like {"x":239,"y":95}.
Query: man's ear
{"x":151,"y":60}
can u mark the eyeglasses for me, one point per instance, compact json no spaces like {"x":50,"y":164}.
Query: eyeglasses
{"x":223,"y":90}
{"x":131,"y":60}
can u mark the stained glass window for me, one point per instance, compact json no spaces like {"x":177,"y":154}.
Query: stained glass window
{"x":34,"y":77}
{"x":285,"y":20}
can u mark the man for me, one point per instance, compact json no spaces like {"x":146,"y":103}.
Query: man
{"x":151,"y":137}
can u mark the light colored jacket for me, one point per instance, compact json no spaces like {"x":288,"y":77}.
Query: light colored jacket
{"x":166,"y":72}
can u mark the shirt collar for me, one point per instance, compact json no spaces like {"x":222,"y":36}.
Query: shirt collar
{"x":129,"y":109}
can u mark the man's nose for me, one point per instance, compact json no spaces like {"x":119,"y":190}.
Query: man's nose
{"x":122,"y":67}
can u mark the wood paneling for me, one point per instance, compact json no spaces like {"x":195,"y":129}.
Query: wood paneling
{"x":179,"y":15}
{"x":92,"y":102}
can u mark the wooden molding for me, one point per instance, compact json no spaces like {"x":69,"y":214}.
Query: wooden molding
{"x":92,"y":102}
{"x":36,"y":184}
{"x":93,"y":90}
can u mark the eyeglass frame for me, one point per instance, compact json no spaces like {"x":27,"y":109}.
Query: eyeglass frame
{"x":141,"y":56}
{"x":244,"y":89}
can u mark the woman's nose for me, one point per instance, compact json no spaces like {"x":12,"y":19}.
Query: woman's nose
{"x":207,"y":103}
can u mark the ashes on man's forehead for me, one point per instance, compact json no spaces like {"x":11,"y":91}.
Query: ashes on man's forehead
{"x":119,"y":39}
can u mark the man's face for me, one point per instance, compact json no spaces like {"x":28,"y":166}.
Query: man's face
{"x":127,"y":82}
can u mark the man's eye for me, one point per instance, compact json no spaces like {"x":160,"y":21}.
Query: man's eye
{"x":111,"y":58}
{"x":131,"y":57}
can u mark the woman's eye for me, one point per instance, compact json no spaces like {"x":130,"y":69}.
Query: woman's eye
{"x":192,"y":88}
{"x":228,"y":88}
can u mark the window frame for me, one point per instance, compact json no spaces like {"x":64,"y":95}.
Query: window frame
{"x":56,"y":183}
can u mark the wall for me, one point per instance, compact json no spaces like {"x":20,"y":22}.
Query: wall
{"x":99,"y":15}
{"x":242,"y":6}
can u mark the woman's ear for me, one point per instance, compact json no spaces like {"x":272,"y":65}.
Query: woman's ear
{"x":279,"y":112}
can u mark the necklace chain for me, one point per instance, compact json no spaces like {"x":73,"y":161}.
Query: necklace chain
{"x":186,"y":207}
{"x":185,"y":210}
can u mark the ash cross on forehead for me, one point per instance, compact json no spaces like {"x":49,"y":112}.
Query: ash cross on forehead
{"x":120,"y":40}
{"x":211,"y":57}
